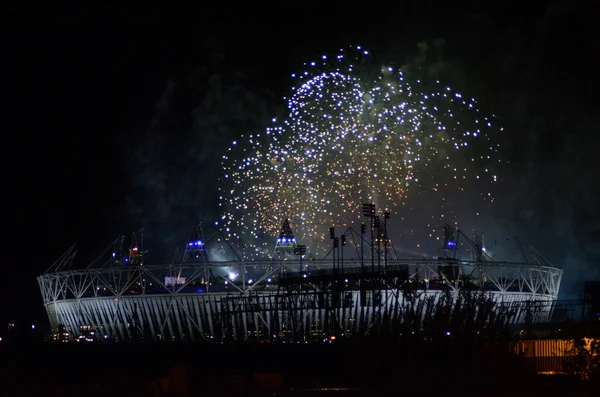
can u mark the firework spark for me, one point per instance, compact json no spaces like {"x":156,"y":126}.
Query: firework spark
{"x":353,"y":136}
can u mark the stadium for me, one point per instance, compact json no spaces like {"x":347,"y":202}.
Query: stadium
{"x":287,"y":297}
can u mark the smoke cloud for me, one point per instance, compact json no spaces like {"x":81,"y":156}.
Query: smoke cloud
{"x":550,"y":194}
{"x":177,"y":163}
{"x":550,"y":199}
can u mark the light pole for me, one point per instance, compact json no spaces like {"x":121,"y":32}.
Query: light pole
{"x":377,"y":227}
{"x":336,"y":247}
{"x":343,"y":238}
{"x":386,"y":216}
{"x":363,"y":292}
{"x":363,"y":231}
{"x":332,"y":237}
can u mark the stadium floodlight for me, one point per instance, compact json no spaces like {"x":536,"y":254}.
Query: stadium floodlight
{"x":300,"y":250}
{"x":368,"y":210}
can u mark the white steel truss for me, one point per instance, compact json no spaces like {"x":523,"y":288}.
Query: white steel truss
{"x":242,"y":300}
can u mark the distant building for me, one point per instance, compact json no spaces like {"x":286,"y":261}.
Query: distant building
{"x":547,"y":356}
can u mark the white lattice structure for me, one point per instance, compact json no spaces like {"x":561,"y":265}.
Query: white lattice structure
{"x":199,"y":301}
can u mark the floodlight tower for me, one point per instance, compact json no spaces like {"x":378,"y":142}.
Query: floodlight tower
{"x":378,"y":229}
{"x":363,"y":291}
{"x":449,"y":241}
{"x":342,"y":245}
{"x":117,"y":254}
{"x":300,"y":250}
{"x":368,"y":211}
{"x":334,"y":246}
{"x":336,"y":258}
{"x":479,"y":247}
{"x":386,"y":216}
{"x":286,"y":242}
{"x":195,"y":250}
{"x":363,"y":231}
{"x":136,"y":251}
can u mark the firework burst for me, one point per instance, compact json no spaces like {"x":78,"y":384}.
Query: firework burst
{"x":357,"y":132}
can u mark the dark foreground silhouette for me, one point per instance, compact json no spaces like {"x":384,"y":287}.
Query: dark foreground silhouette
{"x":371,"y":368}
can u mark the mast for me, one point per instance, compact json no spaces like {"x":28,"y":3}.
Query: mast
{"x":136,"y":251}
{"x":286,"y":242}
{"x":195,"y":250}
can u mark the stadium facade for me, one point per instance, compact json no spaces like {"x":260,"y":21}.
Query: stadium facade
{"x":283,"y":298}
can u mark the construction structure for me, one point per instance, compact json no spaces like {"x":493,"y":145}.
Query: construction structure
{"x":287,"y":297}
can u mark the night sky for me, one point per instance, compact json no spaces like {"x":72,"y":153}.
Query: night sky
{"x":115,"y":123}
